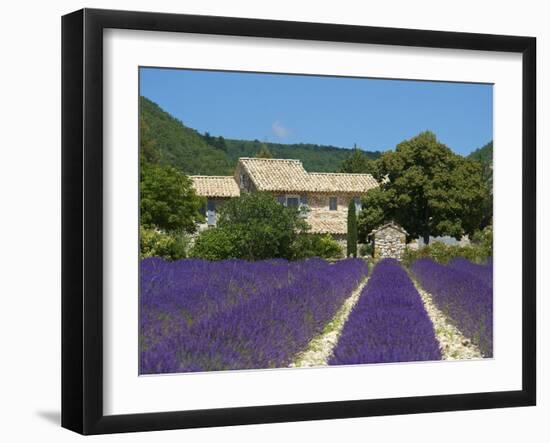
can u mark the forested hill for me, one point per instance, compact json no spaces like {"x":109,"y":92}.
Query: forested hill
{"x":194,"y":153}
{"x":315,"y":158}
{"x":180,"y":146}
{"x":484,"y":155}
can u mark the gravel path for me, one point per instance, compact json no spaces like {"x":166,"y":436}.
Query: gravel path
{"x":453,"y":345}
{"x":320,"y":348}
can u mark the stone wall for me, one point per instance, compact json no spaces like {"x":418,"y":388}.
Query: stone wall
{"x":318,"y":205}
{"x":247,"y":185}
{"x":389,"y":242}
{"x":320,"y":201}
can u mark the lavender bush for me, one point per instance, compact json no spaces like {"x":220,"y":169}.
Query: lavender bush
{"x":464,"y":293}
{"x":483,"y":272}
{"x":389,"y":322}
{"x":197,"y":315}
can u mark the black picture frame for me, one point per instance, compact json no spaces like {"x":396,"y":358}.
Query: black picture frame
{"x":82,"y":218}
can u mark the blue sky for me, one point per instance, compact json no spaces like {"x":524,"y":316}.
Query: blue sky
{"x":375,"y":114}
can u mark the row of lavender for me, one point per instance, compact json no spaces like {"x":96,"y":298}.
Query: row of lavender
{"x":206,"y":316}
{"x":389,"y":322}
{"x":483,"y":272}
{"x":463,"y":291}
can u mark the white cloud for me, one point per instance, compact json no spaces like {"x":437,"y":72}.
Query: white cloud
{"x":280,"y":130}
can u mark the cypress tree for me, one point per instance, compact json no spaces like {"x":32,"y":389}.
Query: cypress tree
{"x":352,"y":230}
{"x":264,"y":152}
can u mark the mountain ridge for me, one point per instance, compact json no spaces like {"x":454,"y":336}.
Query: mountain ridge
{"x":194,"y":153}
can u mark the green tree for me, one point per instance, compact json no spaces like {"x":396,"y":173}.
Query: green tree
{"x":167,"y":199}
{"x":352,"y":230}
{"x":219,"y":142}
{"x":484,"y":156}
{"x":252,"y":227}
{"x":427,"y":189}
{"x":264,"y":152}
{"x":358,"y":163}
{"x":147,"y":149}
{"x":376,"y":205}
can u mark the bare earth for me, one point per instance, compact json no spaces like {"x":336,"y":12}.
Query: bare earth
{"x":453,"y":345}
{"x":320,"y":348}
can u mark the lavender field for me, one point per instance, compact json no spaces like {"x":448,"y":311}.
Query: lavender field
{"x":389,"y":323}
{"x":207,"y":316}
{"x":463,"y":291}
{"x":198,"y":315}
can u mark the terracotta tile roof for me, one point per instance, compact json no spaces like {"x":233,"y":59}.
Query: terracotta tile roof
{"x":270,"y":174}
{"x":289,"y":175}
{"x":390,"y":224}
{"x":323,"y":222}
{"x":331,"y":182}
{"x":215,"y":186}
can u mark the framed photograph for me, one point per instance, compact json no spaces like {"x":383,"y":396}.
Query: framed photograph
{"x":269,"y":221}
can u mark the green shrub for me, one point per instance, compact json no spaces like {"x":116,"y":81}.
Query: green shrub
{"x":442,"y":253}
{"x":484,"y":240}
{"x":316,"y":245}
{"x":329,"y":247}
{"x":253,"y":227}
{"x":366,"y":250}
{"x":215,"y":244}
{"x":156,"y":243}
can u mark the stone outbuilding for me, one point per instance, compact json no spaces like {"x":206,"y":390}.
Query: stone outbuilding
{"x":390,"y":241}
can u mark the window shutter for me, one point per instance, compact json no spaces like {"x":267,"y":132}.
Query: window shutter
{"x":303,"y":200}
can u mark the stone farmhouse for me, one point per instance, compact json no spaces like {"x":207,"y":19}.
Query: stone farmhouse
{"x":327,"y":195}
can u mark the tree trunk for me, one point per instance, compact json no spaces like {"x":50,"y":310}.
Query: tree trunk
{"x":426,"y":239}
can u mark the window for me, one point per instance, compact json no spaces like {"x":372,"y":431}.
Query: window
{"x":292,"y":202}
{"x":304,"y":209}
{"x":358,"y":204}
{"x":333,"y":203}
{"x":211,"y":212}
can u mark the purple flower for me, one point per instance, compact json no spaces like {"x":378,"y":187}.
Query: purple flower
{"x":463,"y":291}
{"x":198,"y":315}
{"x":388,"y":323}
